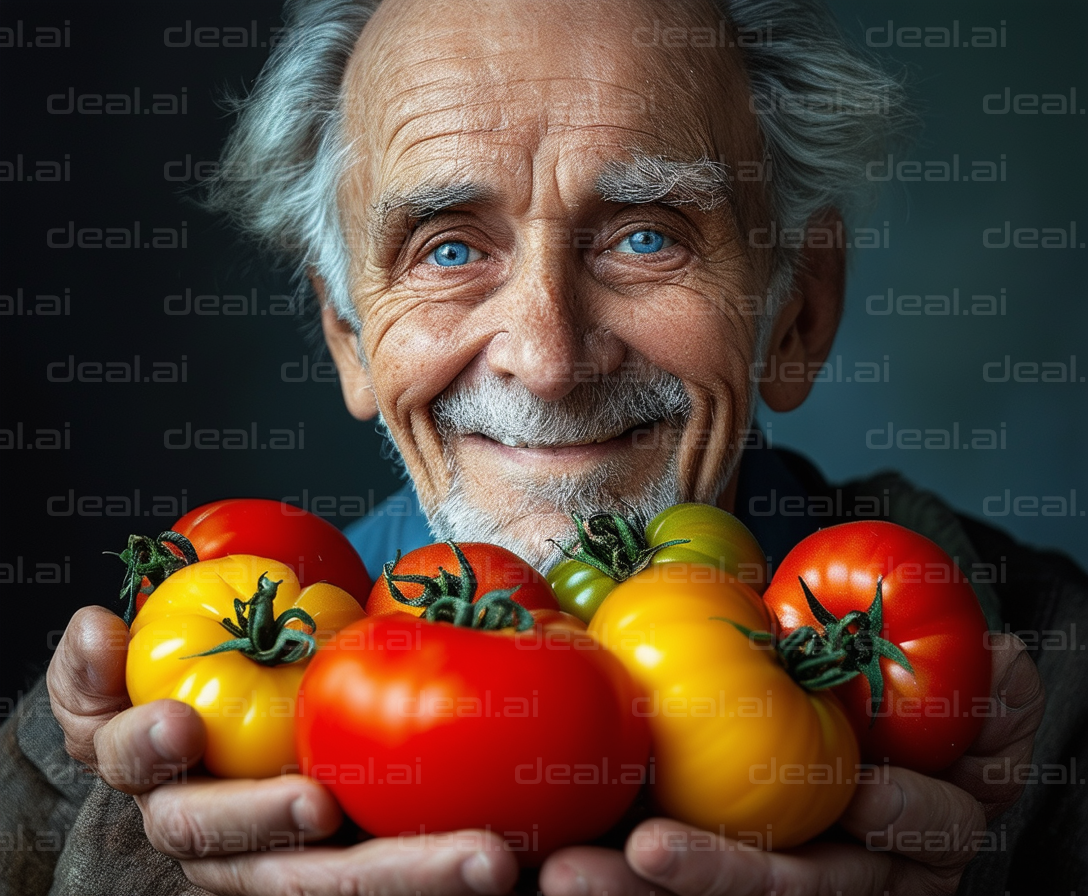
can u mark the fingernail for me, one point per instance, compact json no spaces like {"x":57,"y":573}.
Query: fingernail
{"x":304,"y":814}
{"x":1018,"y":686}
{"x":161,"y":743}
{"x":478,"y":872}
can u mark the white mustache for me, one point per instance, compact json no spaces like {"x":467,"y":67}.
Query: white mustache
{"x":506,"y":411}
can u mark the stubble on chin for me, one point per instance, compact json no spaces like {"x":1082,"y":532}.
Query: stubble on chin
{"x":527,"y":516}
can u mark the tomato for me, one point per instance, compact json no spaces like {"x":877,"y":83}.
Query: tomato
{"x":610,"y":549}
{"x":924,"y":688}
{"x":425,"y":727}
{"x":314,"y":548}
{"x":248,"y":706}
{"x":740,"y":748}
{"x":468,"y":569}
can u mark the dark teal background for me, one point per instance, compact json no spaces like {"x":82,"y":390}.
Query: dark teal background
{"x":235,"y":365}
{"x":935,"y":246}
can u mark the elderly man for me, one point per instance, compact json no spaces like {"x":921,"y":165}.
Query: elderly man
{"x":530,"y":233}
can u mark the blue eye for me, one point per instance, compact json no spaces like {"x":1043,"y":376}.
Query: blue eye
{"x":453,"y":254}
{"x":644,"y":242}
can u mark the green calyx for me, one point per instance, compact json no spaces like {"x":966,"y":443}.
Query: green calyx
{"x":808,"y":659}
{"x":451,"y":598}
{"x":612,"y":545}
{"x":151,"y":558}
{"x":261,"y":635}
{"x":461,"y":586}
{"x":494,"y":611}
{"x":858,"y":635}
{"x":846,"y":648}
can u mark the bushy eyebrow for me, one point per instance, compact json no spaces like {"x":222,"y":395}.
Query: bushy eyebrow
{"x":396,"y":209}
{"x":702,"y":183}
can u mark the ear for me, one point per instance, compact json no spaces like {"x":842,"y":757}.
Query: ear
{"x":343,"y":343}
{"x":805,"y":327}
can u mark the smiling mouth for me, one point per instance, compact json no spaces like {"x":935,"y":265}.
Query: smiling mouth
{"x":512,"y":442}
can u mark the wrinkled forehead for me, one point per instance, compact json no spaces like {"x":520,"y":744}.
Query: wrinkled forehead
{"x":481,"y":81}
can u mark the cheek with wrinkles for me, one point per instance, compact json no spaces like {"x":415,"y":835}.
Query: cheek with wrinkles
{"x":718,"y":382}
{"x":413,"y":346}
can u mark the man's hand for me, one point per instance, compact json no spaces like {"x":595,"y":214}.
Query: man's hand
{"x":217,"y":829}
{"x":131,"y":748}
{"x":920,"y":831}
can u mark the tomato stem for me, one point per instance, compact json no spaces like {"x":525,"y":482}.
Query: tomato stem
{"x":493,"y":611}
{"x":261,"y":635}
{"x":809,"y":660}
{"x":435,"y":588}
{"x":611,"y":544}
{"x":452,"y":598}
{"x":857,"y":634}
{"x":152,"y":559}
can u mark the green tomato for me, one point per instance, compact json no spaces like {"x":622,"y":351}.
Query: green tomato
{"x":579,"y":588}
{"x":609,"y":549}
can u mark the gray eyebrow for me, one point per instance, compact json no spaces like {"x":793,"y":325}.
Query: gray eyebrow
{"x":395,"y":209}
{"x":702,"y":183}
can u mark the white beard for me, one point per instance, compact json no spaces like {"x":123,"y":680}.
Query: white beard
{"x":456,"y":518}
{"x":506,"y":411}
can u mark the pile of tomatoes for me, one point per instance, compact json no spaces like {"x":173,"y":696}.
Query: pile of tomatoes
{"x":469,"y":692}
{"x":763,"y":701}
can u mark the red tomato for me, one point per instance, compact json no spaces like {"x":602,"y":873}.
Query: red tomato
{"x":932,"y":705}
{"x":313,"y":547}
{"x":426,"y":727}
{"x":490,"y":568}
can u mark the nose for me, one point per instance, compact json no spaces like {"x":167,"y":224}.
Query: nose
{"x":549,"y":336}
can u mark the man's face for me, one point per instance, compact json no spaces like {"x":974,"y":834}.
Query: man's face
{"x":549,"y":321}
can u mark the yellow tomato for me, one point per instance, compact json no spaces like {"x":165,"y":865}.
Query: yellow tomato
{"x":740,"y":749}
{"x":248,"y":707}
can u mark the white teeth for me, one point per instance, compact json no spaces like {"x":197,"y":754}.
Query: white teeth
{"x":511,"y":442}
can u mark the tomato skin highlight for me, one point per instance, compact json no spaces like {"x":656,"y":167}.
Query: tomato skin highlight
{"x":424,"y":727}
{"x":248,"y":709}
{"x":739,"y":747}
{"x":713,"y":537}
{"x":313,"y":547}
{"x":494,"y":568}
{"x":925,"y":720}
{"x":580,"y":589}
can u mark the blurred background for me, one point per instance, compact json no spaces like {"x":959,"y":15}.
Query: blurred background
{"x":966,"y":323}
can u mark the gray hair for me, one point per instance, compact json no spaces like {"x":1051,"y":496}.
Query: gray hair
{"x":282,"y":163}
{"x":824,"y":108}
{"x":703,"y":183}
